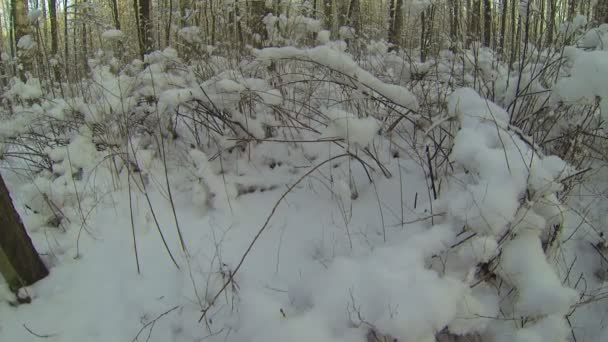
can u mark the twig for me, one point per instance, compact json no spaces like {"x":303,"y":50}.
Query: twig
{"x":260,"y":231}
{"x":152,"y":322}
{"x":37,"y":335}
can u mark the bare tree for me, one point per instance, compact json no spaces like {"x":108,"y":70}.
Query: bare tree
{"x":503,"y":24}
{"x":550,"y":26}
{"x":20,"y":9}
{"x":328,"y":11}
{"x":455,"y":21}
{"x":115,"y":15}
{"x":488,"y":24}
{"x":20,"y":29}
{"x":53,"y":20}
{"x":258,"y":11}
{"x":20,"y":264}
{"x":395,"y":23}
{"x":354,"y":14}
{"x":142,"y":19}
{"x":600,"y":14}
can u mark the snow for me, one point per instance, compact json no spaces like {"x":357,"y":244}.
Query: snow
{"x":34,"y":15}
{"x":541,"y":292}
{"x":190,"y":34}
{"x":356,"y":131}
{"x":112,"y":34}
{"x":26,"y":42}
{"x":588,"y":79}
{"x":29,"y":90}
{"x":271,"y":195}
{"x":323,"y":36}
{"x":551,"y":328}
{"x":340,"y":62}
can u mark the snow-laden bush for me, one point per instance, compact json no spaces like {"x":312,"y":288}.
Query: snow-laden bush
{"x":481,"y":260}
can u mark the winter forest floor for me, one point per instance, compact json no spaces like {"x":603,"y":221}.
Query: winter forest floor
{"x":303,"y":196}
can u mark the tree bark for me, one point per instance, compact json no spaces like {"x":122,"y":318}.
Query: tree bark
{"x":183,"y":6}
{"x":258,"y":11}
{"x":142,"y":19}
{"x":329,"y":14}
{"x":455,"y":21}
{"x":503,"y":25}
{"x":600,"y":14}
{"x":20,"y":264}
{"x":53,"y":19}
{"x":66,"y":50}
{"x":354,"y":15}
{"x":115,"y":15}
{"x":487,"y":23}
{"x":20,"y":9}
{"x":396,"y":23}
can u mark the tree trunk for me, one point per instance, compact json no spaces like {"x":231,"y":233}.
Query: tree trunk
{"x":20,"y":8}
{"x":454,"y":21}
{"x":514,"y":29}
{"x":142,"y":20}
{"x":114,"y":14}
{"x":258,"y":11}
{"x":84,"y":40}
{"x":422,"y":37}
{"x":53,"y":19}
{"x":329,"y":14}
{"x":475,"y":23}
{"x":354,"y":15}
{"x":45,"y":25}
{"x":503,"y":25}
{"x":2,"y":69}
{"x":396,"y":23}
{"x":183,"y":6}
{"x":66,"y":41}
{"x":572,"y":9}
{"x":20,"y":264}
{"x":54,"y":36}
{"x":487,"y":23}
{"x":600,"y":14}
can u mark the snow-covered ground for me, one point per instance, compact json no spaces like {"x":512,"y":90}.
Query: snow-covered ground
{"x":320,"y":215}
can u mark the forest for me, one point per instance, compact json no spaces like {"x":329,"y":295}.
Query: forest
{"x":304,"y":170}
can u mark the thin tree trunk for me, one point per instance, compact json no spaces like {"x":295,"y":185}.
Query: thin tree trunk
{"x":600,"y":15}
{"x":45,"y":25}
{"x":396,"y":25}
{"x":354,"y":14}
{"x":115,"y":15}
{"x":551,"y":21}
{"x":20,"y":8}
{"x":422,"y":37}
{"x":329,"y":14}
{"x":183,"y":5}
{"x":503,"y":25}
{"x":514,"y":29}
{"x":142,"y":20}
{"x":487,"y":22}
{"x":258,"y":11}
{"x":85,"y":43}
{"x":169,"y":23}
{"x":237,"y":25}
{"x":455,"y":21}
{"x":53,"y":20}
{"x":19,"y":262}
{"x":2,"y":69}
{"x":572,"y":9}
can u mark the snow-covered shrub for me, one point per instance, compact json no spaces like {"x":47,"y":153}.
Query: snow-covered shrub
{"x":480,"y":260}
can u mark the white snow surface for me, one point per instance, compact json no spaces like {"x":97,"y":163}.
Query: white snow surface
{"x":349,"y":254}
{"x":112,"y":34}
